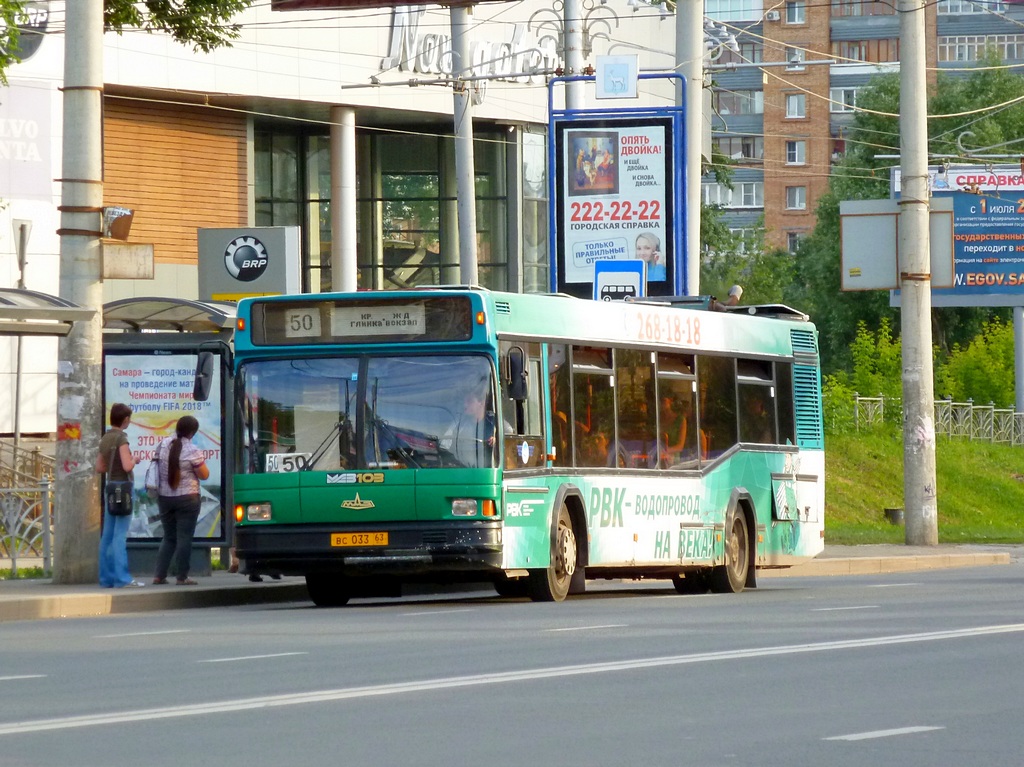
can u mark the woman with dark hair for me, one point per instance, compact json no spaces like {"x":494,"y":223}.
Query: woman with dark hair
{"x":116,"y":461}
{"x":181,"y":467}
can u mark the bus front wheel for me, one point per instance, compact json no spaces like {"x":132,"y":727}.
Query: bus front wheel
{"x":551,"y":584}
{"x":731,"y":577}
{"x":327,"y":590}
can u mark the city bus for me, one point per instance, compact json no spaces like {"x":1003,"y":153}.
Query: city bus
{"x":530,"y":441}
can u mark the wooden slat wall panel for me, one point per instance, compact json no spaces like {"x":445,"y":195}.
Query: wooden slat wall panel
{"x":178,"y":168}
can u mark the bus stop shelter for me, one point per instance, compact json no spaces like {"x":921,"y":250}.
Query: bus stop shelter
{"x":150,"y":349}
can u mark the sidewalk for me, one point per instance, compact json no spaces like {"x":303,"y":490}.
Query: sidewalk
{"x":35,"y":599}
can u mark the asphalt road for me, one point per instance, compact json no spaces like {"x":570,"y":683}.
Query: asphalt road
{"x":909,"y":669}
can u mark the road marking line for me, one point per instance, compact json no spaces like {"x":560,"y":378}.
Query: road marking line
{"x":23,"y":676}
{"x":589,"y":628}
{"x":884,"y":733}
{"x":251,"y":657}
{"x":837,"y":609}
{"x":143,"y":634}
{"x":437,"y":612}
{"x":890,"y":585}
{"x":476,"y":680}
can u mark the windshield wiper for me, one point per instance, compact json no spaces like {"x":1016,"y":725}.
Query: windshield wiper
{"x":321,"y":449}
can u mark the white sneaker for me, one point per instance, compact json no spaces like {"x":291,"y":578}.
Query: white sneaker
{"x":134,"y":585}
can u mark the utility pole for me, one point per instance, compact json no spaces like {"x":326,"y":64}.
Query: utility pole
{"x":690,"y":64}
{"x":79,"y":380}
{"x":572,"y":36}
{"x":22,"y":230}
{"x":465,"y":167}
{"x":919,"y":491}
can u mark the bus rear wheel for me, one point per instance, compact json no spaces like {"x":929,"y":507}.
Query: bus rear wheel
{"x":327,"y":590}
{"x":551,"y":584}
{"x":731,"y":577}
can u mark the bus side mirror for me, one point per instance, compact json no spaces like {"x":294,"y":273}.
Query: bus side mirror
{"x":518,"y":384}
{"x":204,"y":376}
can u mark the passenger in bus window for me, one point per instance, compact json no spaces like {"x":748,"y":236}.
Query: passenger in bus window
{"x":676,"y":431}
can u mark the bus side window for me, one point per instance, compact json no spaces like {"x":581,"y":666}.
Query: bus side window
{"x":784,"y":401}
{"x":561,"y":404}
{"x":716,"y":377}
{"x":593,"y":418}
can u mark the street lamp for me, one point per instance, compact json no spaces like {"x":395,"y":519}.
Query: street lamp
{"x":22,"y":231}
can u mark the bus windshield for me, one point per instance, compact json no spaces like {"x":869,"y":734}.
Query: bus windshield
{"x":368,"y":413}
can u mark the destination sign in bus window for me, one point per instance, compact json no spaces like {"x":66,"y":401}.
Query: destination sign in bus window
{"x":361,"y":320}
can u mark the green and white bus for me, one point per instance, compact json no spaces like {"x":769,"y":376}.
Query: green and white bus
{"x":532,"y":441}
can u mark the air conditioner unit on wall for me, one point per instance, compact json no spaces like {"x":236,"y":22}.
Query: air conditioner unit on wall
{"x":772,"y":16}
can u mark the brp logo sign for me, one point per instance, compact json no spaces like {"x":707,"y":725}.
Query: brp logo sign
{"x":246,"y":258}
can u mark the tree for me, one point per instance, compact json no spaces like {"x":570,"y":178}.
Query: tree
{"x":203,"y":24}
{"x":983,"y":114}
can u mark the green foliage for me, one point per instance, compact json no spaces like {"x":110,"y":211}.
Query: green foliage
{"x":202,"y":24}
{"x":877,"y":361}
{"x":980,"y":489}
{"x":983,"y":370}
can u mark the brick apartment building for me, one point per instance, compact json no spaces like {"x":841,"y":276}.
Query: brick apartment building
{"x":781,"y":116}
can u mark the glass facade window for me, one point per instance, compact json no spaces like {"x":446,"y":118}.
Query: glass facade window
{"x":535,"y":213}
{"x":406,"y":206}
{"x":796,"y":105}
{"x":973,"y":47}
{"x":796,"y":198}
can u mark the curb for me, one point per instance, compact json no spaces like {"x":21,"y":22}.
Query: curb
{"x":876,"y":565}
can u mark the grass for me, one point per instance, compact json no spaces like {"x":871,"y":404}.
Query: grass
{"x":980,"y":489}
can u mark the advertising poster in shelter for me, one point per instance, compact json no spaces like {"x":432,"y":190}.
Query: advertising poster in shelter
{"x":614,"y":200}
{"x":158,"y":388}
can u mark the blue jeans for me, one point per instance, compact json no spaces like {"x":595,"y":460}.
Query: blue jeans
{"x":178,"y":517}
{"x":114,"y":551}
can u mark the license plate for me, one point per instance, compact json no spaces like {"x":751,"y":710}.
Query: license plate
{"x":359,"y":539}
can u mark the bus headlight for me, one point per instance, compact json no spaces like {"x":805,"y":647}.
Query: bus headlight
{"x":257,"y":512}
{"x":470,"y":507}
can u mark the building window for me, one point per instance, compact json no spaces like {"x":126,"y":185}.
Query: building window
{"x":957,"y":7}
{"x":796,"y":198}
{"x":749,"y":194}
{"x":842,"y":99}
{"x":742,"y":237}
{"x":793,"y":241}
{"x":750,"y":52}
{"x":973,"y":47}
{"x":796,"y":152}
{"x":733,"y":10}
{"x":796,"y":105}
{"x":875,"y":51}
{"x":795,"y":10}
{"x":739,"y":102}
{"x":741,"y":147}
{"x":863,"y":8}
{"x":795,"y":57}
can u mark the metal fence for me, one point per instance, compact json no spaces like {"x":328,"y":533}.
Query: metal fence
{"x":963,"y":420}
{"x":26,"y":524}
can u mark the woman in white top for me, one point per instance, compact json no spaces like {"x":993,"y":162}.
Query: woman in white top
{"x":181,"y":467}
